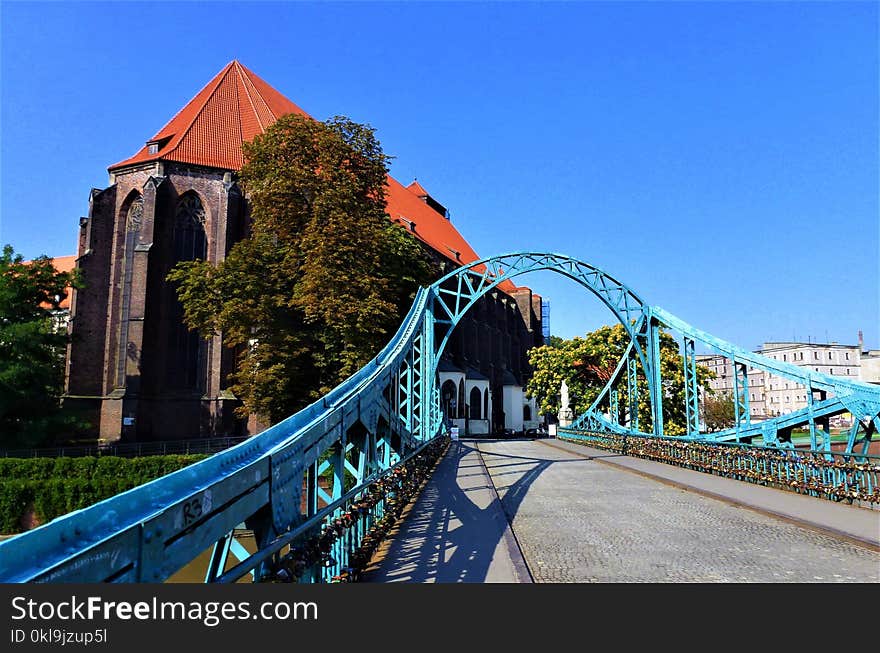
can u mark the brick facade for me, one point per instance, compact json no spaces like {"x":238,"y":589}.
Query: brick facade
{"x":133,"y":370}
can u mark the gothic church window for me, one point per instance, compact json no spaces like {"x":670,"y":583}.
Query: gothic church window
{"x":186,"y":349}
{"x":476,"y":402}
{"x":133,"y":217}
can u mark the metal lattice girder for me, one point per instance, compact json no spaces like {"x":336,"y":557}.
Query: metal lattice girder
{"x":848,"y":396}
{"x":655,"y":379}
{"x":147,"y":533}
{"x":632,"y":381}
{"x":741,"y":393}
{"x":459,"y":290}
{"x":691,"y":394}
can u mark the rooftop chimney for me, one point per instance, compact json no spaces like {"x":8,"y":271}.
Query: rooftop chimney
{"x":861,"y":341}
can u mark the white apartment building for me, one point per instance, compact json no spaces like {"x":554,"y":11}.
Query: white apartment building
{"x":771,"y":395}
{"x":870,"y":366}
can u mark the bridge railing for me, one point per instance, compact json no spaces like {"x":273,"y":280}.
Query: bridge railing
{"x":337,"y":543}
{"x":838,"y":476}
{"x":146,"y":534}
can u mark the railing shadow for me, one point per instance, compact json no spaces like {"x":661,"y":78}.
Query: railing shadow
{"x":458,"y":526}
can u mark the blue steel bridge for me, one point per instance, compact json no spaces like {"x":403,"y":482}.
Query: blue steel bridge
{"x":381,"y":421}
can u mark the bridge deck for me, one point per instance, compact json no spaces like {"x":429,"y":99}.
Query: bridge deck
{"x":584,"y":515}
{"x":455,"y":532}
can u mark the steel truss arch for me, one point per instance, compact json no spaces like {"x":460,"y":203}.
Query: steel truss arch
{"x":374,"y":420}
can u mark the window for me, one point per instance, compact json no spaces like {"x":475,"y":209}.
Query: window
{"x":787,"y":398}
{"x":831,"y":371}
{"x":816,"y":356}
{"x":187,"y":351}
{"x":802,"y":355}
{"x":847,"y":358}
{"x":133,"y":216}
{"x":527,"y":413}
{"x":847,"y":371}
{"x":784,"y":357}
{"x":448,"y":396}
{"x":753,"y":396}
{"x":476,"y":403}
{"x":829,"y":355}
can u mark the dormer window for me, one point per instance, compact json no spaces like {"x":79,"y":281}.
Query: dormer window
{"x":153,"y":147}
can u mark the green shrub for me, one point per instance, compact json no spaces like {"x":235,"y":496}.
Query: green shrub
{"x":56,"y":486}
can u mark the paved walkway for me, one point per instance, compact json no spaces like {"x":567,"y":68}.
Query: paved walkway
{"x":585,"y":515}
{"x":455,"y":532}
{"x":860,"y":525}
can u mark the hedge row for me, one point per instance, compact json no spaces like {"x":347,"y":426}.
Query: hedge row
{"x":56,"y":486}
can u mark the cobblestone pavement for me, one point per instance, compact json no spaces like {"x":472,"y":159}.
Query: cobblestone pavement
{"x":578,"y":520}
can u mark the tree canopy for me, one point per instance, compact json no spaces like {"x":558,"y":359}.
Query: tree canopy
{"x":323,"y":277}
{"x":719,"y":411}
{"x":32,"y":349}
{"x":587,"y":363}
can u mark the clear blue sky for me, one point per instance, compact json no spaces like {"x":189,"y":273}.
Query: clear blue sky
{"x":720,"y":158}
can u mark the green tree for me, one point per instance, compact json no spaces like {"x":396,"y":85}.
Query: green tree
{"x":322,"y":279}
{"x":587,"y":364}
{"x":32,"y":349}
{"x":719,"y":411}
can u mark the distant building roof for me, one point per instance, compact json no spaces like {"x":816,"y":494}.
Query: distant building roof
{"x":475,"y":375}
{"x":63,"y":264}
{"x":234,"y":107}
{"x":446,"y":365}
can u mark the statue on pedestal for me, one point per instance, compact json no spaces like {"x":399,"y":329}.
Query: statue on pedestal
{"x":566,"y":415}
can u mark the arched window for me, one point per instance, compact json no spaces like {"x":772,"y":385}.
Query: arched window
{"x":448,"y":395}
{"x":486,"y":403}
{"x":133,"y":217}
{"x":527,"y":413}
{"x":476,"y":403}
{"x":186,"y":350}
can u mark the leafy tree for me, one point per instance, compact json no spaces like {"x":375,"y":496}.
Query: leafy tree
{"x":31,"y":349}
{"x":323,"y":278}
{"x":719,"y":411}
{"x":586,"y":364}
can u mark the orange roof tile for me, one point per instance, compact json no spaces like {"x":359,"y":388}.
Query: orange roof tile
{"x":62,"y":264}
{"x":234,"y":107}
{"x":237,"y":105}
{"x":417,"y":189}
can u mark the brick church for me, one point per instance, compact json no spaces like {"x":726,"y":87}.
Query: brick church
{"x":137,"y":373}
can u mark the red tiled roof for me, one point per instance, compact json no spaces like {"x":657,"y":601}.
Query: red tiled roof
{"x":62,"y":264}
{"x":237,"y":105}
{"x":417,"y":189}
{"x":234,"y":107}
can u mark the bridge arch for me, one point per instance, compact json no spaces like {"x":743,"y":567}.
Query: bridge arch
{"x":456,"y":293}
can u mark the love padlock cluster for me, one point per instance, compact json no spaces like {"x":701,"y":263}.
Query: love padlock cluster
{"x":836,"y":476}
{"x":368,"y":518}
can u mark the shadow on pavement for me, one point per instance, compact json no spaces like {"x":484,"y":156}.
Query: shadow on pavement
{"x":458,"y":526}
